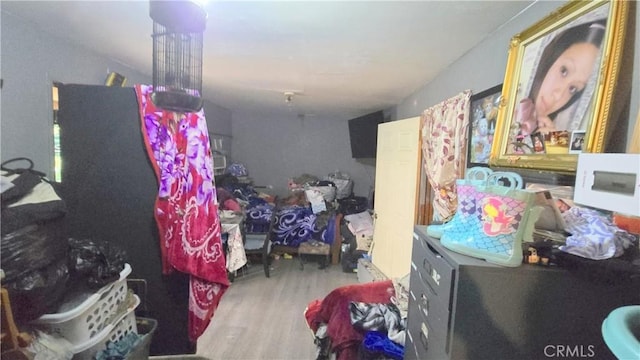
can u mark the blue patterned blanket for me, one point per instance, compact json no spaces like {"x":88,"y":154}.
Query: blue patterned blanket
{"x":295,"y":224}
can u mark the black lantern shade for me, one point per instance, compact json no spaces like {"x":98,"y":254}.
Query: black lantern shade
{"x":177,"y":54}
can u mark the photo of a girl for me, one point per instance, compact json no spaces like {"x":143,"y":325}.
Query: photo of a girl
{"x":562,"y":82}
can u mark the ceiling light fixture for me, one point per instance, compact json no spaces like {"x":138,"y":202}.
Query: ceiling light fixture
{"x":288,"y":96}
{"x":177,"y":54}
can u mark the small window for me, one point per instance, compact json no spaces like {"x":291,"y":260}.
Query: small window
{"x":57,"y":154}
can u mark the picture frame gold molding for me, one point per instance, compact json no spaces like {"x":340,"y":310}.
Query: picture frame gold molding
{"x":598,"y":114}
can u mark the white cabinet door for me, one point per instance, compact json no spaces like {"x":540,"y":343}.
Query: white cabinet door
{"x":396,"y":197}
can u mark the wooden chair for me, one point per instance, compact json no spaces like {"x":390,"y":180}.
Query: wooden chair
{"x":313,"y":247}
{"x":336,"y":247}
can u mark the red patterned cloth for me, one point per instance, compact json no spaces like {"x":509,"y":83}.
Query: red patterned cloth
{"x":186,"y":209}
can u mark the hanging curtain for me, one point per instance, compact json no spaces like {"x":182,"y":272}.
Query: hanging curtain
{"x":186,"y":208}
{"x":444,"y":141}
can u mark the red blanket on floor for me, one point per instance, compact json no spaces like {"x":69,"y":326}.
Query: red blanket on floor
{"x":186,"y":209}
{"x":333,"y":310}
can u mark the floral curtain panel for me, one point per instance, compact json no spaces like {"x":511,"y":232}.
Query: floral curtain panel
{"x":444,"y":141}
{"x":186,"y":208}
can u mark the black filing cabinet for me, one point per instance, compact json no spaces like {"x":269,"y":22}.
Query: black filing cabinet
{"x":461,"y":307}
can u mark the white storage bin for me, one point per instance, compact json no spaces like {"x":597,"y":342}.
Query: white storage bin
{"x":112,"y":332}
{"x":81,"y":318}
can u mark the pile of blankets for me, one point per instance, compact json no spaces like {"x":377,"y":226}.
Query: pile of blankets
{"x":358,"y":321}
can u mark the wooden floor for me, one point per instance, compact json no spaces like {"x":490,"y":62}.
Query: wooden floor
{"x":262,"y":318}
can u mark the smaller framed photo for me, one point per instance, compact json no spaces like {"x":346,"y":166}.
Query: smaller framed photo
{"x":537,"y":142}
{"x":482,"y":125}
{"x":577,"y":142}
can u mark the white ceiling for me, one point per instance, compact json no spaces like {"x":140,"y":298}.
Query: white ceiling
{"x":342,"y":58}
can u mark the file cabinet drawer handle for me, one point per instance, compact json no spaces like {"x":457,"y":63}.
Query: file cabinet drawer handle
{"x":433,"y":273}
{"x":424,"y":336}
{"x":426,"y":265}
{"x":425,"y":304}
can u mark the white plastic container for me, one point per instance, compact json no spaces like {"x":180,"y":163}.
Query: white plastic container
{"x":112,"y":332}
{"x":83,"y":317}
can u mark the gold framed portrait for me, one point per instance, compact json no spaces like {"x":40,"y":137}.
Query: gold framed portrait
{"x":559,"y":83}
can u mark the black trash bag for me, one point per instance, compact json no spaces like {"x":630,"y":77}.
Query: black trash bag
{"x":38,"y":292}
{"x":32,"y":247}
{"x":352,"y":205}
{"x":95,"y":263}
{"x":350,"y":253}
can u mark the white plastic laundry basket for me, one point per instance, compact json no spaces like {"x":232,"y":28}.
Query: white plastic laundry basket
{"x":112,"y":332}
{"x":79,"y":323}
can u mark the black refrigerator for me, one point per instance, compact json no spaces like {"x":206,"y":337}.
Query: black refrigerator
{"x":109,"y":187}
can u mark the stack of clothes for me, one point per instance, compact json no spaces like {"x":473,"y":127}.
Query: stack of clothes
{"x":361,"y":321}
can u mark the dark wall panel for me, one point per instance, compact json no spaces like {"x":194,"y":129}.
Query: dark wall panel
{"x":109,"y":187}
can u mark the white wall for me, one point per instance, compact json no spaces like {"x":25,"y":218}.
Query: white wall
{"x":275,"y":148}
{"x":31,"y":61}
